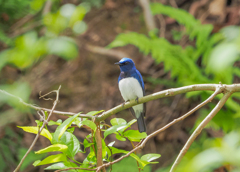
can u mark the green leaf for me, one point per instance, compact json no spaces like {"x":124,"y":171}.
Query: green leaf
{"x":120,"y":137}
{"x":51,"y":122}
{"x":71,"y":130}
{"x":86,"y":144}
{"x":90,"y":124}
{"x":118,"y":121}
{"x":92,"y":113}
{"x":51,"y":159}
{"x":63,"y":127}
{"x":150,"y":157}
{"x":113,"y":129}
{"x":143,"y":163}
{"x":62,"y":165}
{"x":71,"y":142}
{"x":53,"y":148}
{"x":35,"y":130}
{"x":134,"y":135}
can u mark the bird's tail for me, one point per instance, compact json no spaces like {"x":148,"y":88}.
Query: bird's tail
{"x":141,"y":123}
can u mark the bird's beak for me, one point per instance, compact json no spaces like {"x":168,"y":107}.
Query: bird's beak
{"x":117,"y":63}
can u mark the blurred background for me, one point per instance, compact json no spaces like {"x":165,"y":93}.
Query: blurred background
{"x":75,"y":43}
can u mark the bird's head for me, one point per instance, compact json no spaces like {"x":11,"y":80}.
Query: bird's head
{"x":126,"y":64}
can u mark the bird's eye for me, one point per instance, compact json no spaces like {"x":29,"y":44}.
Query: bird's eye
{"x":125,"y":63}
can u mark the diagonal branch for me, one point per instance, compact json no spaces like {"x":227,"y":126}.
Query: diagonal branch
{"x":38,"y":134}
{"x":200,"y":128}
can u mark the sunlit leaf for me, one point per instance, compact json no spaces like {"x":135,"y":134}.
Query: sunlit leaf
{"x":150,"y":157}
{"x":53,"y":148}
{"x":113,"y":129}
{"x":51,"y":159}
{"x":134,"y":135}
{"x":90,"y":124}
{"x":63,"y":127}
{"x":92,"y":113}
{"x":35,"y":130}
{"x":51,"y":122}
{"x":118,"y":121}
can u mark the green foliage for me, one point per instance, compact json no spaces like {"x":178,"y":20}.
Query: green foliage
{"x":183,"y":64}
{"x":214,"y":154}
{"x":66,"y":145}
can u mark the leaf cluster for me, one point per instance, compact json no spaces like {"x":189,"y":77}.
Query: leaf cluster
{"x":65,"y":145}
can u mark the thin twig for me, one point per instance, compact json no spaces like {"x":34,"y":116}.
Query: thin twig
{"x":45,"y":109}
{"x":198,"y":130}
{"x":38,"y":134}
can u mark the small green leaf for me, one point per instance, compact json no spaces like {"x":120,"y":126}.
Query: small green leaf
{"x":39,"y":123}
{"x":120,"y":137}
{"x":51,"y":122}
{"x":118,"y":121}
{"x":150,"y":157}
{"x":53,"y":148}
{"x":51,"y":159}
{"x":113,"y":129}
{"x":61,"y":165}
{"x":35,"y":130}
{"x":90,"y":124}
{"x":86,"y":144}
{"x":71,"y":130}
{"x":116,"y":151}
{"x":63,"y":127}
{"x":92,"y":113}
{"x":134,"y":135}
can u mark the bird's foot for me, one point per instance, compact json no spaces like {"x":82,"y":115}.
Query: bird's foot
{"x":124,"y":103}
{"x":136,"y":100}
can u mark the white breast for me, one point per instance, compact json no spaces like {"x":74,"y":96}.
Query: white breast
{"x":131,"y":89}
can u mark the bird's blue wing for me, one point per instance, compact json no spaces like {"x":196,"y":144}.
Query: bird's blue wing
{"x":138,"y":76}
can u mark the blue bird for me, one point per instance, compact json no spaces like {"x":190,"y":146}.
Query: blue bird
{"x":131,"y":86}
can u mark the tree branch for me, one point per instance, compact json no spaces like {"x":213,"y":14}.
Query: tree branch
{"x":161,"y":94}
{"x":98,"y":139}
{"x":200,"y":128}
{"x":38,"y":134}
{"x":45,"y":109}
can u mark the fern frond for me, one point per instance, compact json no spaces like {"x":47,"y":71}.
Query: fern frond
{"x":139,"y":40}
{"x":193,"y":26}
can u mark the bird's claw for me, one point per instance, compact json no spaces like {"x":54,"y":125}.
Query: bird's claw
{"x":136,"y":100}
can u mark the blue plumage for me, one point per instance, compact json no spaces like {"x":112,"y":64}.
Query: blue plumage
{"x":131,"y":86}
